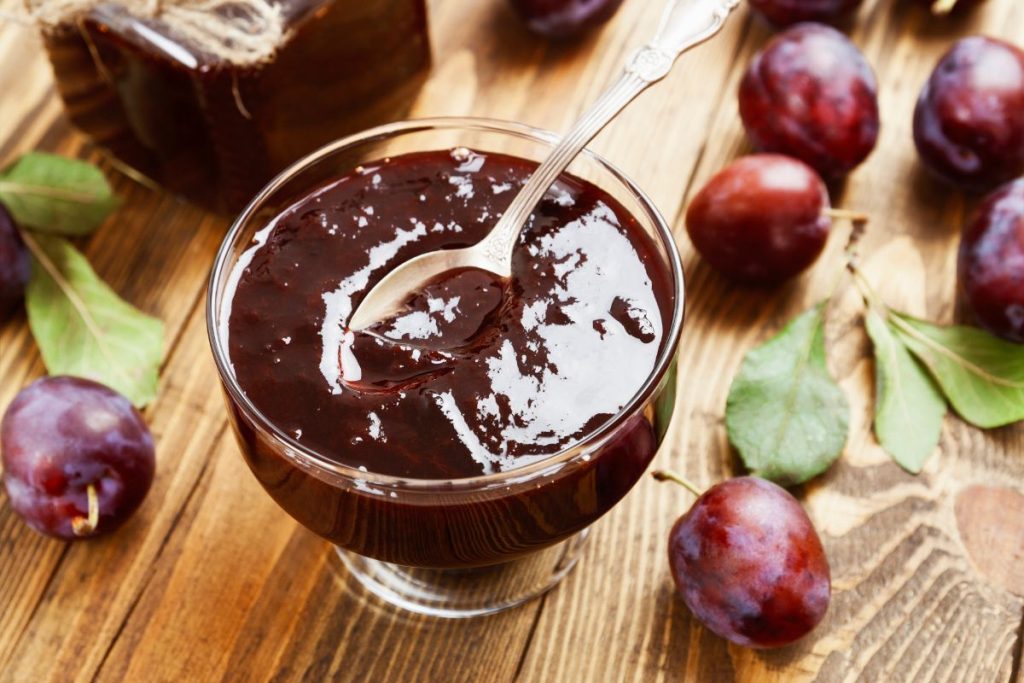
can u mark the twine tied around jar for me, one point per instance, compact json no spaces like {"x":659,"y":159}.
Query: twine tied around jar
{"x":236,"y":32}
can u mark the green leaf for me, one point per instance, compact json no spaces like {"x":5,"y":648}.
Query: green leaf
{"x":55,"y":194}
{"x":83,"y":328}
{"x":981,"y":375}
{"x":908,"y":406}
{"x":785,"y":414}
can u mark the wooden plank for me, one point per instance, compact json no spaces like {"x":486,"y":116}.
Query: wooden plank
{"x":137,"y":262}
{"x":173,"y":243}
{"x":211,"y":580}
{"x":98,"y":583}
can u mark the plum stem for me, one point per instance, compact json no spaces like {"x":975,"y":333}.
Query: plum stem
{"x":846,"y":215}
{"x":866,"y":290}
{"x":131,"y":173}
{"x":941,"y":7}
{"x":669,"y":475}
{"x":83,"y":526}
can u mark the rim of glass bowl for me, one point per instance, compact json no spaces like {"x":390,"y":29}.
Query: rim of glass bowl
{"x":308,"y":458}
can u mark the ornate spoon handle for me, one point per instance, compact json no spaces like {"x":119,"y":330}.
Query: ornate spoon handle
{"x":684,"y":24}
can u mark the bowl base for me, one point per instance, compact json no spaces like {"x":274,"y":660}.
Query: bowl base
{"x":463,"y":593}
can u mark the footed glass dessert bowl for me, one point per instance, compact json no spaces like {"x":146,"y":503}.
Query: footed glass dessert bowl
{"x":457,"y":452}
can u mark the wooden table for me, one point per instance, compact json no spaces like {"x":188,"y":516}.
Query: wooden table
{"x":212,"y":580}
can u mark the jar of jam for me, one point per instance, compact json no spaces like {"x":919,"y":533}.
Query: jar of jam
{"x":212,"y":98}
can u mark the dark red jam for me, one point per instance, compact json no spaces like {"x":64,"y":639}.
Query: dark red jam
{"x":475,"y":376}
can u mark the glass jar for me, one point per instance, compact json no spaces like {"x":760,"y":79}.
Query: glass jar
{"x":459,"y":547}
{"x":198,"y":115}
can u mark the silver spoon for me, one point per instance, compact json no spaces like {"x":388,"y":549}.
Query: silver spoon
{"x":685,"y":24}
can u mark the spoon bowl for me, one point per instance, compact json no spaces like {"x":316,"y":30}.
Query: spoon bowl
{"x":388,"y":295}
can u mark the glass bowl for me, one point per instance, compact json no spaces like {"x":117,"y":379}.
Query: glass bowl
{"x":459,"y":547}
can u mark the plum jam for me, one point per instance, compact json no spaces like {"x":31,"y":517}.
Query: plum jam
{"x":475,"y":376}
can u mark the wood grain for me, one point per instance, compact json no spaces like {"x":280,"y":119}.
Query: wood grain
{"x":991,"y":524}
{"x":211,"y":581}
